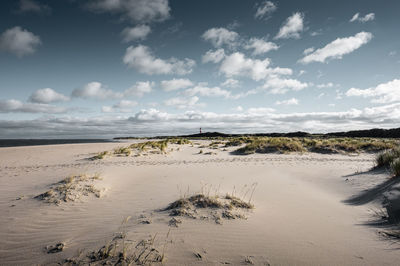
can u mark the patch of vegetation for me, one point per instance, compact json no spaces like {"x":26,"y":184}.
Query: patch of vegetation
{"x":121,"y":252}
{"x":389,"y":159}
{"x":317,"y":145}
{"x":209,"y":207}
{"x":100,"y":155}
{"x":122,"y":151}
{"x":71,"y":189}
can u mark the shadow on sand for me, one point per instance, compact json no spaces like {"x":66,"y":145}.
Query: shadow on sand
{"x":387,"y":194}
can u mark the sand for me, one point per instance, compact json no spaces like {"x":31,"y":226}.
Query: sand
{"x":299,"y":216}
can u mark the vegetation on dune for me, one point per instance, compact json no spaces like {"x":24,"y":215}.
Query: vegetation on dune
{"x":317,"y":145}
{"x":71,"y":189}
{"x":389,"y":159}
{"x":204,"y":206}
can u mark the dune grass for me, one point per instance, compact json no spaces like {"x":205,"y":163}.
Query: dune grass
{"x":317,"y":145}
{"x":70,"y":189}
{"x":204,"y":206}
{"x":389,"y":159}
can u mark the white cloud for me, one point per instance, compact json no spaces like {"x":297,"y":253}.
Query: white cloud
{"x":237,"y":64}
{"x":138,"y":33}
{"x":308,"y":50}
{"x":124,"y":106}
{"x":383,"y":93}
{"x":142,"y":59}
{"x":316,"y":33}
{"x":338,"y":48}
{"x":95,"y":90}
{"x":264,"y":9}
{"x":150,"y":122}
{"x":292,"y":27}
{"x":231,"y":83}
{"x":213,"y":56}
{"x":291,"y":101}
{"x":204,"y":90}
{"x":175,"y":84}
{"x":47,"y":95}
{"x":301,"y":72}
{"x":183,"y":103}
{"x":142,"y":11}
{"x":33,"y":6}
{"x":278,"y":85}
{"x":139,"y":89}
{"x":260,"y":46}
{"x":367,"y":17}
{"x":19,"y":41}
{"x":325,"y":85}
{"x":239,"y":108}
{"x":221,"y":36}
{"x":15,"y":106}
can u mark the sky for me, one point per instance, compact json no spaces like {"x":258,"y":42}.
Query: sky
{"x":107,"y":68}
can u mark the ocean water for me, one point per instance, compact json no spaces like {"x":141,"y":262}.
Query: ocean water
{"x":34,"y":142}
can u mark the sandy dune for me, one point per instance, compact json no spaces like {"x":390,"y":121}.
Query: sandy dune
{"x":299,"y":216}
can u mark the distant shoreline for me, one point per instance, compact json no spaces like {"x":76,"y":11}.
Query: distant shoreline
{"x":37,"y":142}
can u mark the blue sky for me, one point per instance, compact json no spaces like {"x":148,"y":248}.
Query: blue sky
{"x":104,"y":68}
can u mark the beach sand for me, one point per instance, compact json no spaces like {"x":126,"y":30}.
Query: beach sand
{"x":299,"y":217}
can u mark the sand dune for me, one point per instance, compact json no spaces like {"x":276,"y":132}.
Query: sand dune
{"x":299,"y":216}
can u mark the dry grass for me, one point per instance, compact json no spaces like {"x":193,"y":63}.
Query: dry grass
{"x":122,"y":251}
{"x":317,"y":145}
{"x":100,"y":155}
{"x":71,"y":189}
{"x":122,"y":151}
{"x":203,"y":206}
{"x":119,"y":252}
{"x":389,"y":159}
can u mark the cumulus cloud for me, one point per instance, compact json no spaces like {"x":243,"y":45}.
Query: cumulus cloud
{"x":383,"y":93}
{"x":231,"y":83}
{"x":203,"y":90}
{"x":175,"y":84}
{"x":260,"y":46}
{"x":277,"y":85}
{"x":308,"y":50}
{"x":95,"y":90}
{"x":221,"y":36}
{"x":237,"y":64}
{"x":19,"y":41}
{"x":26,"y":6}
{"x":124,"y":106}
{"x":214,"y":56}
{"x":367,"y":17}
{"x":15,"y":106}
{"x":338,"y":48}
{"x":98,"y":91}
{"x":291,"y":101}
{"x":142,"y":11}
{"x":139,"y":89}
{"x":264,"y":10}
{"x":183,"y":102}
{"x":138,"y":33}
{"x":150,"y":122}
{"x":47,"y":95}
{"x":292,"y":27}
{"x":142,"y":59}
{"x":325,"y":85}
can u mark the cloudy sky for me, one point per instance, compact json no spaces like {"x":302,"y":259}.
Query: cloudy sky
{"x":105,"y":68}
